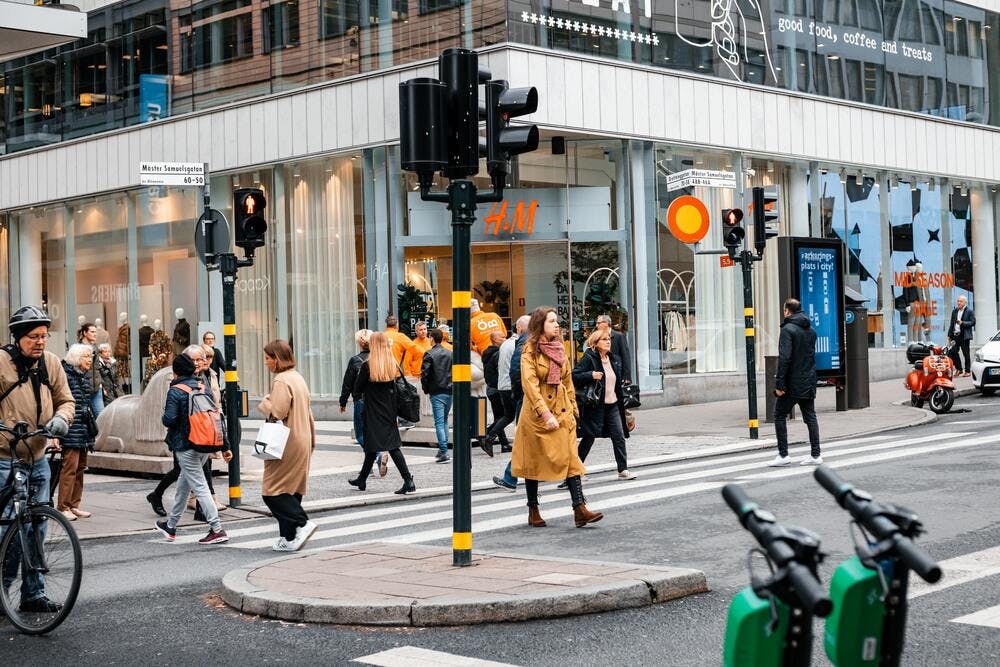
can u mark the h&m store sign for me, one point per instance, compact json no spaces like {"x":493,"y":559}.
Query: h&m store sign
{"x":529,"y":214}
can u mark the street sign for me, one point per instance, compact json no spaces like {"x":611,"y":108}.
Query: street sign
{"x":848,"y":317}
{"x":183,"y":174}
{"x":705,"y":178}
{"x":211,"y":235}
{"x":687,"y":219}
{"x":725,"y":261}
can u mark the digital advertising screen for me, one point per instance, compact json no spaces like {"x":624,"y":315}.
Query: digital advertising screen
{"x":820,"y":289}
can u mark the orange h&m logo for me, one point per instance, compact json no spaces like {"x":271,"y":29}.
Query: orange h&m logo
{"x":522,"y":221}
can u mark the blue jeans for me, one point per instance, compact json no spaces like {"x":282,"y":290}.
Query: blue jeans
{"x":507,"y":476}
{"x":441,"y":406}
{"x":33,"y":585}
{"x":97,"y":403}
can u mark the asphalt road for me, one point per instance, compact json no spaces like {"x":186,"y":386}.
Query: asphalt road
{"x":147,"y":602}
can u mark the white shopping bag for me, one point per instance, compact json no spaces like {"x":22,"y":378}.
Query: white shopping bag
{"x":271,"y":440}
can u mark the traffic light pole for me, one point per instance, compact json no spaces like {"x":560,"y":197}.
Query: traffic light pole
{"x":746,"y":260}
{"x":228,"y":265}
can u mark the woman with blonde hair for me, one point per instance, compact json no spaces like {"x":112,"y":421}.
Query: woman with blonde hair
{"x":545,"y":440}
{"x":349,"y":391}
{"x":376,"y":382}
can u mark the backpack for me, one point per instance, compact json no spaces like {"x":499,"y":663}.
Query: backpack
{"x":207,"y":434}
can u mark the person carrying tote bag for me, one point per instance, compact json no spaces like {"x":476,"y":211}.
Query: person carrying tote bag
{"x":285,"y":479}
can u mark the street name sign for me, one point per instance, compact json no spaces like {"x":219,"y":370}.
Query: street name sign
{"x":182,"y":174}
{"x":705,"y":178}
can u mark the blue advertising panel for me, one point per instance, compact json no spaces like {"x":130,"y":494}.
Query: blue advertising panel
{"x":820,"y":289}
{"x":154,"y":97}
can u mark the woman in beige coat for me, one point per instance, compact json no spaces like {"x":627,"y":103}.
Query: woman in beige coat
{"x":545,"y":440}
{"x":285,"y":479}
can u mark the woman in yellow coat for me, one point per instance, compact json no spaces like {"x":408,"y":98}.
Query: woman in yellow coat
{"x":545,"y":440}
{"x":285,"y":479}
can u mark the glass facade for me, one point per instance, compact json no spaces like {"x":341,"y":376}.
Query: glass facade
{"x":148,"y":59}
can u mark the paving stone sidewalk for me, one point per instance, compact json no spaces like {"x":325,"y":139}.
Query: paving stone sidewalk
{"x":413,"y":585}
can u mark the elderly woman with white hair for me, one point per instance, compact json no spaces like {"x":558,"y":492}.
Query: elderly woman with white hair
{"x":107,"y":367}
{"x":78,"y":362}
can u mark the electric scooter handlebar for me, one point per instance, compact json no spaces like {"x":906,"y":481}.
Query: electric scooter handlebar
{"x":867,"y":512}
{"x":774,"y":539}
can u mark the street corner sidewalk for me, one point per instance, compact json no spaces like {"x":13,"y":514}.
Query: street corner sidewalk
{"x":412,"y":585}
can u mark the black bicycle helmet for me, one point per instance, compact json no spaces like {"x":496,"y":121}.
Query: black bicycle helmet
{"x":27,"y":318}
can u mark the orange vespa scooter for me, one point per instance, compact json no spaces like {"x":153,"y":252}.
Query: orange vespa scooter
{"x":931,"y":379}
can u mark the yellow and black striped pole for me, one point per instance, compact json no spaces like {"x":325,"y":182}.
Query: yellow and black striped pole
{"x":462,"y":201}
{"x":228,"y":265}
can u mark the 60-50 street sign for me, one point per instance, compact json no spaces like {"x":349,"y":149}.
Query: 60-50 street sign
{"x":184,"y":174}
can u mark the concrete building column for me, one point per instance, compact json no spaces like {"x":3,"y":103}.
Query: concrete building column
{"x":29,"y":247}
{"x":798,"y":200}
{"x":984,"y":266}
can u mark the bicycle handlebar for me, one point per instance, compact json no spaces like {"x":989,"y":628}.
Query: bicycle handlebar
{"x":868,"y":513}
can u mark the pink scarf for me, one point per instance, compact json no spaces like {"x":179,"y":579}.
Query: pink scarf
{"x":556,"y":354}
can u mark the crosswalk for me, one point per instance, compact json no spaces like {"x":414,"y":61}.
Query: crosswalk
{"x":427,"y":520}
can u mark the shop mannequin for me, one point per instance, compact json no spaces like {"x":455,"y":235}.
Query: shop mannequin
{"x":923,"y":313}
{"x":123,"y":352}
{"x":157,"y":325}
{"x":159,"y":353}
{"x":80,"y":321}
{"x":910,"y":296}
{"x":102,"y":333}
{"x":145,"y":331}
{"x":182,"y":332}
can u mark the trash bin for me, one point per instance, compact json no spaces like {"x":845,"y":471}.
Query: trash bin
{"x":856,"y":321}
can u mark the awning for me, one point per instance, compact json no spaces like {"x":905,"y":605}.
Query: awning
{"x":25,"y":28}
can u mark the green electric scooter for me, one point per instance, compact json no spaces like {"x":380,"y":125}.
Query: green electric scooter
{"x":869,"y":590}
{"x":770,"y":621}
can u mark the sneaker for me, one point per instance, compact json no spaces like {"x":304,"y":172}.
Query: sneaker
{"x":168,"y":533}
{"x":83,"y":514}
{"x":779,"y":461}
{"x":625,"y":474}
{"x":41,"y":605}
{"x":303,"y":534}
{"x":282,"y":545}
{"x":441,"y":458}
{"x":486,"y":445}
{"x":506,"y":449}
{"x":214,"y":537}
{"x":504,"y":484}
{"x":812,"y":461}
{"x":383,"y":464}
{"x":563,"y":485}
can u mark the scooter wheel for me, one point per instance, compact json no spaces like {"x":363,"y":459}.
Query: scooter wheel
{"x":941,"y":400}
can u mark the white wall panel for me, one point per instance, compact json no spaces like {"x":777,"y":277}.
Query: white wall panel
{"x":376,"y":110}
{"x":657,"y":112}
{"x":591,"y":76}
{"x":555,"y":71}
{"x":284,"y":128}
{"x":699,"y":110}
{"x":605,"y":93}
{"x":641,"y":108}
{"x":313,"y":122}
{"x":537,"y":67}
{"x":573,"y":73}
{"x":343,"y":118}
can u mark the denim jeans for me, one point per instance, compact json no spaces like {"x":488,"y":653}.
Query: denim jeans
{"x":192,"y":478}
{"x":33,"y":585}
{"x":441,"y":406}
{"x":97,"y":403}
{"x":359,"y":422}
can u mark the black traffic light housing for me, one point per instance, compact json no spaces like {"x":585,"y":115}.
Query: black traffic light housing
{"x":733,"y":233}
{"x":250,"y":223}
{"x":764,"y":211}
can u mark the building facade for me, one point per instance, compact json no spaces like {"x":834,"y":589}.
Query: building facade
{"x":875,"y":123}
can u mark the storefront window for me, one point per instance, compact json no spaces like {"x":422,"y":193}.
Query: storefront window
{"x":41,"y":259}
{"x":324,"y":211}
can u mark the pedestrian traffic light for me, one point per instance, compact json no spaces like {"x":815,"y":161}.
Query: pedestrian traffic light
{"x":459,"y":71}
{"x":422,"y":130}
{"x":732,"y":231}
{"x":250,"y":223}
{"x":765,"y":211}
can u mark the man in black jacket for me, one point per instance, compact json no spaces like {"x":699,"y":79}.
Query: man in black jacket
{"x":435,"y":380}
{"x":959,"y":329}
{"x":619,"y":347}
{"x":795,"y":381}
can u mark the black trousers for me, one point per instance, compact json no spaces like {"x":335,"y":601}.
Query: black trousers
{"x":611,"y":423}
{"x":175,"y":472}
{"x":782,"y":407}
{"x":503,"y":415}
{"x":963,"y":347}
{"x":397,"y":458}
{"x":287,"y":510}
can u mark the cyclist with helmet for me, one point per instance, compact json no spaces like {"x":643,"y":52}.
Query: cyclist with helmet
{"x":33,"y":389}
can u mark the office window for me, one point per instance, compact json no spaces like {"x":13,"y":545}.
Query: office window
{"x":213,"y":40}
{"x":281,"y":25}
{"x":339,"y":16}
{"x":430,"y":6}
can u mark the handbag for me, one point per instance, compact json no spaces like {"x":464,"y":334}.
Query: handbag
{"x":629,"y":421}
{"x":630,"y":396}
{"x":91,"y":423}
{"x":407,"y":399}
{"x":594,"y":395}
{"x":271,"y":440}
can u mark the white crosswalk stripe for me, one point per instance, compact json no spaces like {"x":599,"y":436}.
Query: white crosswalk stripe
{"x":430,"y":519}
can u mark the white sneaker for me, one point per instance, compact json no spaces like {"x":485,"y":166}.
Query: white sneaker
{"x":625,"y":474}
{"x":779,"y":461}
{"x":811,"y":461}
{"x":303,"y":534}
{"x":282,"y":545}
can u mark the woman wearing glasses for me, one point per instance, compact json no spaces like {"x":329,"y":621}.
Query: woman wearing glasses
{"x":598,"y":381}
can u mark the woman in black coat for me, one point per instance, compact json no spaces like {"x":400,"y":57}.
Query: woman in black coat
{"x":376,"y":381}
{"x":75,"y":444}
{"x":605,"y":419}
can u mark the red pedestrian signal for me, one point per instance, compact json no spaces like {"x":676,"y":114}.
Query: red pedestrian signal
{"x":250,"y":224}
{"x":733,"y":233}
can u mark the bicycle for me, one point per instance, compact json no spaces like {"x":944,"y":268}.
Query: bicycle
{"x":38,"y":547}
{"x":770,"y":622}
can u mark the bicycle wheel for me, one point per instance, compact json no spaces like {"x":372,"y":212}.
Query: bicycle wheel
{"x":42,"y":554}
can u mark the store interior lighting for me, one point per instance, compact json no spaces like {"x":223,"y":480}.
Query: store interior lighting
{"x":964,"y":190}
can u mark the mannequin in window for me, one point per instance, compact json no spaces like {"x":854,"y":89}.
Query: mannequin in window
{"x":102,"y":333}
{"x":145,"y":331}
{"x":123,"y":352}
{"x":182,"y":332}
{"x":159,"y":353}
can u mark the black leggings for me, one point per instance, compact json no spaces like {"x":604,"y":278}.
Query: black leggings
{"x":175,"y":472}
{"x":397,"y":458}
{"x":287,"y":510}
{"x":502,"y":419}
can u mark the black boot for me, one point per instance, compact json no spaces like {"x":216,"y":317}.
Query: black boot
{"x":360,"y":481}
{"x":157,"y":504}
{"x":408,"y":486}
{"x":581,"y":515}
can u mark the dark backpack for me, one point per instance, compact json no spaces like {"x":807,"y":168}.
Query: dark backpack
{"x":23,"y":376}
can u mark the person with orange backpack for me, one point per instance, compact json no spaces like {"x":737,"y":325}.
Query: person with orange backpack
{"x":194,"y":431}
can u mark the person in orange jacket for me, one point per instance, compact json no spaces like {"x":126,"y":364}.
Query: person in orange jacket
{"x":400,"y":343}
{"x":482,"y":325}
{"x":415,"y":355}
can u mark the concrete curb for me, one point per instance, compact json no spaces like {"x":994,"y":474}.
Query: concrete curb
{"x":656,"y":586}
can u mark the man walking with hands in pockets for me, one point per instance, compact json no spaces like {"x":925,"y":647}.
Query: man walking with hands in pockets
{"x":795,"y":382}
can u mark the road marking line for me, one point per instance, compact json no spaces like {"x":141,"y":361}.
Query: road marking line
{"x":989,"y":618}
{"x":413,"y":656}
{"x":961,"y":570}
{"x":977,"y":421}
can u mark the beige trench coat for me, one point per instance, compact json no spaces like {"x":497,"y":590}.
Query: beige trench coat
{"x":289,"y":403}
{"x":548,"y":456}
{"x":20,"y":403}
